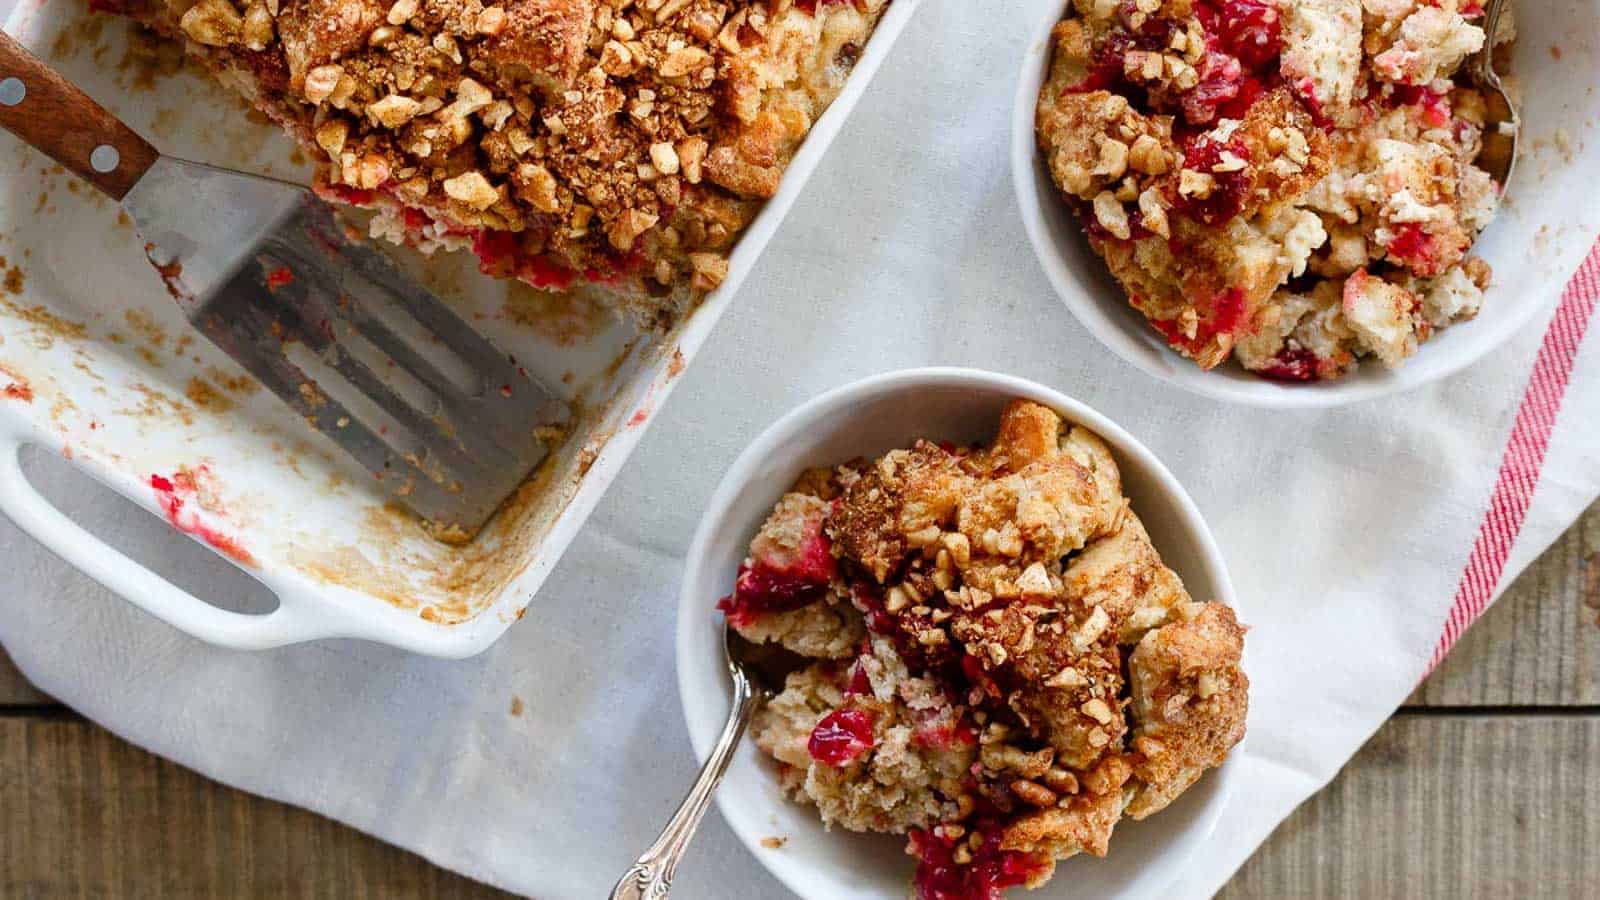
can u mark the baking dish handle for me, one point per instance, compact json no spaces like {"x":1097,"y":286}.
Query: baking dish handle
{"x":288,"y":624}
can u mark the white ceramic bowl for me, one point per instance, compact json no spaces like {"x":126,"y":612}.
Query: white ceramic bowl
{"x":1534,"y":245}
{"x":867,"y":418}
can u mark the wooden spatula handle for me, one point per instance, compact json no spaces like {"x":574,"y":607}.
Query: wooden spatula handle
{"x":47,"y":111}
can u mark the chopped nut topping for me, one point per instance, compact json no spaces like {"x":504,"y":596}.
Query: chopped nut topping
{"x":629,"y":226}
{"x":1035,"y":580}
{"x":212,"y":22}
{"x":664,"y":157}
{"x":1147,"y":156}
{"x":401,"y":12}
{"x":540,"y":186}
{"x":1097,"y":710}
{"x":1113,"y":159}
{"x":709,"y":270}
{"x":1195,"y":184}
{"x":1033,"y":793}
{"x":472,"y":189}
{"x":1229,"y":163}
{"x":1154,"y":213}
{"x":258,"y":29}
{"x":331,"y":136}
{"x":684,"y":61}
{"x":491,"y":21}
{"x":322,"y":81}
{"x":394,"y":110}
{"x":1112,"y":217}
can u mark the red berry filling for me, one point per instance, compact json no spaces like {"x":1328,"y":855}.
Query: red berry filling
{"x":1106,"y":72}
{"x":1434,"y":105}
{"x":776,"y":585}
{"x":1242,"y":37}
{"x":494,"y":250}
{"x":991,"y":871}
{"x":935,"y":728}
{"x":499,"y":254}
{"x":1291,"y":364}
{"x":1229,"y":314}
{"x":859,"y":683}
{"x":1249,"y":29}
{"x":1411,"y":247}
{"x":1227,"y":195}
{"x":810,"y":7}
{"x":841,"y":737}
{"x":347,"y":194}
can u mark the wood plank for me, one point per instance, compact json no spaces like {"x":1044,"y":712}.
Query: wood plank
{"x":1446,"y":805}
{"x":15,"y":689}
{"x":83,"y":814}
{"x":1540,"y":644}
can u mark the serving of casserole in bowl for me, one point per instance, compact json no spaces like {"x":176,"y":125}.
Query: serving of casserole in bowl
{"x":1289,"y":203}
{"x":1018,"y":645}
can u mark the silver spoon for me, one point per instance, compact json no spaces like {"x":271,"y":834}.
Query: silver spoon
{"x":1499,"y":156}
{"x":758,"y":672}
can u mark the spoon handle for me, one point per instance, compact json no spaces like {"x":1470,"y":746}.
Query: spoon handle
{"x":650,"y":878}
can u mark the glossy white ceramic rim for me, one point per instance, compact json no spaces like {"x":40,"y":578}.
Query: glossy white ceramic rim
{"x":706,"y":699}
{"x":1103,"y":308}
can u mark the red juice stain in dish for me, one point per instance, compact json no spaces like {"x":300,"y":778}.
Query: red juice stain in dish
{"x":841,"y":736}
{"x":170,"y":493}
{"x":279,"y":277}
{"x":18,"y":389}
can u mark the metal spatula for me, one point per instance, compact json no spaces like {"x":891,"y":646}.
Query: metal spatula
{"x":261,"y":267}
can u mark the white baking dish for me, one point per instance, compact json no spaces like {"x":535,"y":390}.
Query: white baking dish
{"x":99,"y":365}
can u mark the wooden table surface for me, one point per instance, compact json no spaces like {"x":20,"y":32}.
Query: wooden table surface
{"x":1485,"y":784}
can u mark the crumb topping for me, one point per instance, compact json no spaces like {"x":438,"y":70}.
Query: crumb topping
{"x":624,"y":143}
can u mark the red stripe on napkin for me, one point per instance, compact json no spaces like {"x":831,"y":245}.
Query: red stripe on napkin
{"x":1524,"y":454}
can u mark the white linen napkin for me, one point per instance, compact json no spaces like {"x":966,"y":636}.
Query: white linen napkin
{"x":1347,"y":533}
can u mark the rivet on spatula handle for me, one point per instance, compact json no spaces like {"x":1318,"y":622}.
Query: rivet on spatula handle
{"x":47,"y":111}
